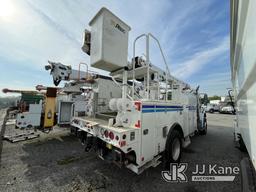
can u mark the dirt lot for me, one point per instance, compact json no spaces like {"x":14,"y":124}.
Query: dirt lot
{"x":57,"y":162}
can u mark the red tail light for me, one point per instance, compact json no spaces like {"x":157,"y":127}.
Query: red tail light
{"x":111,"y":135}
{"x":137,"y":105}
{"x":137,"y":125}
{"x":122,"y":143}
{"x":106,"y":133}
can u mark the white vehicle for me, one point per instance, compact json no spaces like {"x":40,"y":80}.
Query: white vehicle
{"x":211,"y":108}
{"x":29,"y":108}
{"x":30,"y":118}
{"x":156,"y":114}
{"x":227,"y":109}
{"x":243,"y":70}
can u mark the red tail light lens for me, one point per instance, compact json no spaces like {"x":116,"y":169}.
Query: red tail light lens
{"x":106,"y":133}
{"x":111,"y":135}
{"x":137,"y":125}
{"x":137,"y":105}
{"x":122,"y":143}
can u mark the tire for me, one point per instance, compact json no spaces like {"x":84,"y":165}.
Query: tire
{"x":29,"y":126}
{"x":211,"y":110}
{"x":173,"y":148}
{"x":204,"y":131}
{"x":248,"y":176}
{"x":82,"y":135}
{"x":242,"y":146}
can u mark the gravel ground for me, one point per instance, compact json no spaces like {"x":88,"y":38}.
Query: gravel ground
{"x":57,"y":162}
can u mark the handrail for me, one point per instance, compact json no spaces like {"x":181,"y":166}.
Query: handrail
{"x":133,"y":62}
{"x":79,"y":72}
{"x":147,"y":60}
{"x":166,"y":65}
{"x":159,"y":45}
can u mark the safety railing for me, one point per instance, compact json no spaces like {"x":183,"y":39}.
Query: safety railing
{"x":79,"y":70}
{"x":148,"y":62}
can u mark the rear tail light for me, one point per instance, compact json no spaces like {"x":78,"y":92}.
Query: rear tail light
{"x":122,"y":143}
{"x":106,"y":133}
{"x":137,"y":125}
{"x":111,"y":135}
{"x":137,"y":105}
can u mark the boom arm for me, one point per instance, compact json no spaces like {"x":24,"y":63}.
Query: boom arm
{"x":61,"y":72}
{"x":6,"y":90}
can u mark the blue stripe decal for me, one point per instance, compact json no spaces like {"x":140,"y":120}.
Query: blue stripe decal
{"x":160,"y":106}
{"x":160,"y":110}
{"x":164,"y":108}
{"x":148,"y":111}
{"x":148,"y":106}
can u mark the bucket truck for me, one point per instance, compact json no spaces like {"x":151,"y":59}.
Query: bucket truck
{"x":156,"y":113}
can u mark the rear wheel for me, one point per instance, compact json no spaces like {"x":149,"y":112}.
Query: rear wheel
{"x":173,"y":148}
{"x":204,"y":130}
{"x":248,"y":175}
{"x":29,"y":126}
{"x":211,"y":110}
{"x":242,"y":146}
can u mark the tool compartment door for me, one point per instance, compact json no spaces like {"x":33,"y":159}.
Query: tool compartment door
{"x":148,"y":134}
{"x":65,"y":112}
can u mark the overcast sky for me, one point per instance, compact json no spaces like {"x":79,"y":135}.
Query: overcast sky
{"x":194,"y":35}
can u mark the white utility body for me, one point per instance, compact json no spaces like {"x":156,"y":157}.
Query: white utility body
{"x":243,"y":76}
{"x":156,"y":113}
{"x":87,"y":92}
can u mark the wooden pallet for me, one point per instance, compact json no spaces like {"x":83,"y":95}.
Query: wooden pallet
{"x":21,"y":137}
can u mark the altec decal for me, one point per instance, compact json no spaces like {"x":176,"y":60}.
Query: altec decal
{"x":116,"y":25}
{"x":119,"y":28}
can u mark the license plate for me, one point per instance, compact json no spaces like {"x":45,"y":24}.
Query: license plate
{"x":109,"y":146}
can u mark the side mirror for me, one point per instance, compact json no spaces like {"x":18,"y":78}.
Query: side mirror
{"x":205,"y":99}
